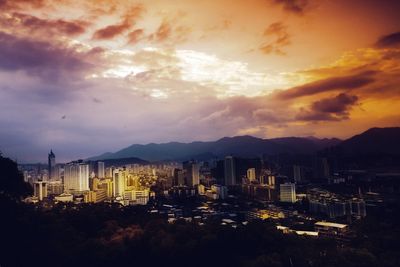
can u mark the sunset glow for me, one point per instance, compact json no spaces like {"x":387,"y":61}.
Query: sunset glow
{"x":88,"y":77}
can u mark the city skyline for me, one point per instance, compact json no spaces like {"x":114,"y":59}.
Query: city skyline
{"x":97,"y":76}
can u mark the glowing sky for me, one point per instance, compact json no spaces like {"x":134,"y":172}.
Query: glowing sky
{"x":86,"y":77}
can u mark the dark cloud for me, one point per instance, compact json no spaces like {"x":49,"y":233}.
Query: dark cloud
{"x":294,"y":6}
{"x":281,"y":39}
{"x":38,"y":57}
{"x":329,"y":109}
{"x":330,"y":84}
{"x":389,"y":41}
{"x":45,"y":26}
{"x":339,"y":104}
{"x":111,"y":31}
{"x":20,"y":4}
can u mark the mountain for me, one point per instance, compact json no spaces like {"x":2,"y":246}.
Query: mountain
{"x":375,"y":141}
{"x":242,"y":146}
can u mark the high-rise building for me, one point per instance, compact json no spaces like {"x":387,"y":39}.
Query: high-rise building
{"x":76,"y":177}
{"x":192,"y":173}
{"x":229,"y":171}
{"x":251,"y":174}
{"x":40,"y":190}
{"x":118,"y":183}
{"x":297,"y":173}
{"x":288,"y":192}
{"x":100,"y":169}
{"x":52,"y":165}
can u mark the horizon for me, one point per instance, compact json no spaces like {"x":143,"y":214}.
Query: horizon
{"x":85,"y":78}
{"x":190,"y":142}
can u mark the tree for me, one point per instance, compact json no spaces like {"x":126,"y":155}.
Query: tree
{"x":12,"y":182}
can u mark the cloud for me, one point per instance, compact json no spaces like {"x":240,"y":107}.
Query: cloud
{"x":163,"y":32}
{"x":389,"y":41}
{"x":330,"y":84}
{"x":294,"y":6}
{"x":21,"y":4}
{"x":339,"y":104}
{"x":329,"y":109}
{"x":39,"y":58}
{"x":170,"y":32}
{"x":111,"y":31}
{"x":281,"y":39}
{"x":135,"y":36}
{"x":129,"y":19}
{"x":31,"y":24}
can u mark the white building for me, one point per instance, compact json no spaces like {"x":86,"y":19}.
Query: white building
{"x":288,"y":192}
{"x":40,"y":190}
{"x":119,"y":177}
{"x":76,"y":177}
{"x":100,"y":169}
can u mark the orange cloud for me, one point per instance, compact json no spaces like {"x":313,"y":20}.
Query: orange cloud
{"x":129,"y":19}
{"x":281,"y":39}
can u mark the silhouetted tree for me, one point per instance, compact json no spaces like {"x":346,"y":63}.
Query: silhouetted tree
{"x":11,"y":180}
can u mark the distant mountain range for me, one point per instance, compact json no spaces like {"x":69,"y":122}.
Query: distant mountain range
{"x":375,"y":140}
{"x":242,"y":146}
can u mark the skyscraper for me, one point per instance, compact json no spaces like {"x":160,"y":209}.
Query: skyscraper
{"x":119,"y":177}
{"x":52,"y":165}
{"x":100,"y":169}
{"x":76,"y":177}
{"x":230,"y":170}
{"x":192,"y":173}
{"x":288,"y":192}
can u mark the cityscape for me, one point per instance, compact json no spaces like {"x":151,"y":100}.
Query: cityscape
{"x":242,"y":133}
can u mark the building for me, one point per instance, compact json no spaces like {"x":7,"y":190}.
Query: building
{"x":179,"y":177}
{"x":251,"y":174}
{"x":229,"y":171}
{"x":51,"y":166}
{"x":334,"y":205}
{"x":220,"y":191}
{"x":332,"y":230}
{"x":100,"y":170}
{"x":55,"y":188}
{"x":118,"y":182}
{"x":297,"y":173}
{"x":288,"y":192}
{"x":64,"y":197}
{"x":76,"y":177}
{"x":192,"y":171}
{"x":40,"y":190}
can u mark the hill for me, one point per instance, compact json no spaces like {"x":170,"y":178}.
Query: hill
{"x":241,"y":146}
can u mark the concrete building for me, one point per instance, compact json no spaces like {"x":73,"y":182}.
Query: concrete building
{"x":40,"y":190}
{"x":76,"y":177}
{"x":100,"y":170}
{"x":251,"y":174}
{"x":51,"y":166}
{"x":192,"y":173}
{"x":288,"y":192}
{"x":64,"y":197}
{"x":220,"y":191}
{"x":119,"y":177}
{"x":229,"y":171}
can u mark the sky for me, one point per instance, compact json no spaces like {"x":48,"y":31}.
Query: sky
{"x":87,"y":77}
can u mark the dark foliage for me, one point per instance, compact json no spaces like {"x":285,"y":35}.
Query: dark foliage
{"x":11,"y":180}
